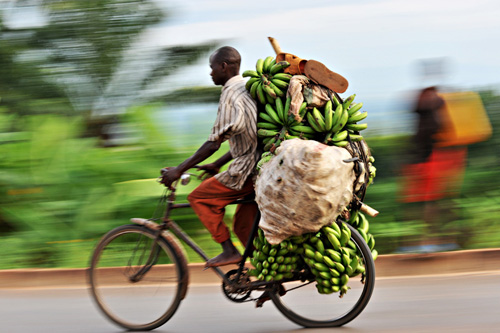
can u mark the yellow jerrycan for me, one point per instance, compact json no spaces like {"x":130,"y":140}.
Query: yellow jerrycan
{"x":465,"y":120}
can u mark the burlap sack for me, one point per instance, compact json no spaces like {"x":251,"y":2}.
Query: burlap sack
{"x":304,"y":187}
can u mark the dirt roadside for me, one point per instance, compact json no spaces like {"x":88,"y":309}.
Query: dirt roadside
{"x":467,"y":261}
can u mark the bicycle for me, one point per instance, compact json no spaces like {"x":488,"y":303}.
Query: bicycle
{"x":139,"y":275}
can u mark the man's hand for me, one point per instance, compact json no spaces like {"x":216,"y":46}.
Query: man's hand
{"x":169,"y":175}
{"x":209,"y":169}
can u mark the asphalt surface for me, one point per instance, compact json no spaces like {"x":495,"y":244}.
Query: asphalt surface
{"x":462,"y":302}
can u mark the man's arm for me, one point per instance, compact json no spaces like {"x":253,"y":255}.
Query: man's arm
{"x":205,"y":151}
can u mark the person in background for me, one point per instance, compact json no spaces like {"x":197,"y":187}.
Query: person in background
{"x":433,"y":172}
{"x":236,"y":121}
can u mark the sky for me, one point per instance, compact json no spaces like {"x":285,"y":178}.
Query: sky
{"x":377,"y":45}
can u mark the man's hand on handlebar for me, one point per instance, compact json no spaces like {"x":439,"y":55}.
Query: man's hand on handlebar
{"x":209,"y":170}
{"x":169,"y":175}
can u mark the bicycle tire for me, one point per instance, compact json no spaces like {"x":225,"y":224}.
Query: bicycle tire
{"x":139,"y":305}
{"x":310,"y":309}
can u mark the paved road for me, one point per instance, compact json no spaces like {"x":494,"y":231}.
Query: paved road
{"x":445,"y":303}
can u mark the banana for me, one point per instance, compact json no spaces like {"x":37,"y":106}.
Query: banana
{"x":334,"y":255}
{"x":264,"y":116}
{"x":374,"y":254}
{"x":279,"y":66}
{"x":337,"y":116}
{"x":272,"y":113}
{"x":346,"y":260}
{"x":250,"y":82}
{"x":260,"y":93}
{"x":301,"y":135}
{"x":363,"y":234}
{"x":339,"y":267}
{"x":303,"y":129}
{"x":320,"y":246}
{"x":253,"y":88}
{"x":267,"y":125}
{"x":259,"y":66}
{"x":309,"y":253}
{"x":348,"y":101}
{"x":288,"y":102}
{"x":263,"y":133}
{"x":267,"y":64}
{"x":251,"y":73}
{"x":276,"y":90}
{"x":357,"y":116}
{"x":354,"y":108}
{"x":344,"y":237}
{"x":343,"y":119}
{"x":325,"y":275}
{"x":356,"y":137}
{"x":326,"y":283}
{"x":334,"y":241}
{"x":318,"y":257}
{"x":335,"y":281}
{"x":329,"y":262}
{"x":269,"y":99}
{"x":313,"y":123}
{"x":354,"y":217}
{"x":335,"y":226}
{"x":363,"y":223}
{"x":334,"y":272}
{"x":336,"y":102}
{"x":340,"y":136}
{"x":344,"y":279}
{"x":269,"y":91}
{"x":331,"y":231}
{"x":340,"y":143}
{"x":320,"y":120}
{"x":371,"y":241}
{"x":322,"y":267}
{"x":280,"y":83}
{"x":283,"y":77}
{"x":345,"y":228}
{"x":302,"y":111}
{"x":280,"y":110}
{"x":328,"y":116}
{"x":354,"y":263}
{"x":356,"y":127}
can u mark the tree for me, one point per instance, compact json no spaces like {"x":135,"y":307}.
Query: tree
{"x":69,"y":64}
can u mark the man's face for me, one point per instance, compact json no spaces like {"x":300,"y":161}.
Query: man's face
{"x":218,"y":72}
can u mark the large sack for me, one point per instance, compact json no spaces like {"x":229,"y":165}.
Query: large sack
{"x":304,"y":187}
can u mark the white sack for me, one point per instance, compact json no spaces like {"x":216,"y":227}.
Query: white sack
{"x":303,"y":188}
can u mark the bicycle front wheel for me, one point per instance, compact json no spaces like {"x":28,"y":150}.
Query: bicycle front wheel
{"x":303,"y":304}
{"x":138,"y":282}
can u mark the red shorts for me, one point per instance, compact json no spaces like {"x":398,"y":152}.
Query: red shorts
{"x":440,"y":176}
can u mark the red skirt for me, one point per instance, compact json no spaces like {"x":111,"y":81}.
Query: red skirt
{"x":439,"y":177}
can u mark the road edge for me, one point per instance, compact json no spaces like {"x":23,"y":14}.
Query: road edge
{"x":391,"y":265}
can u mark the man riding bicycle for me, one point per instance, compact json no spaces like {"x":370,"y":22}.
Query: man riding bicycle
{"x":236,"y":121}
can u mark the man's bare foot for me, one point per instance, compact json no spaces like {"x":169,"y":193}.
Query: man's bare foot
{"x":229,"y":255}
{"x":224,"y":259}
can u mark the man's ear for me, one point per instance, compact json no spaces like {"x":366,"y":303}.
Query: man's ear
{"x":223,"y":66}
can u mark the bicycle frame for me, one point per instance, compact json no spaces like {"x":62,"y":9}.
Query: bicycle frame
{"x":169,"y":224}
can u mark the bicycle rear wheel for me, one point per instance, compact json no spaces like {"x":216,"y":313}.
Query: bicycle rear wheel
{"x":137,"y":282}
{"x":306,"y":307}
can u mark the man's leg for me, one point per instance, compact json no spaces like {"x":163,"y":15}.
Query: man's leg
{"x":209,"y":201}
{"x":243,"y":221}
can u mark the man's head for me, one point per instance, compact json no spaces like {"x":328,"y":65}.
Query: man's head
{"x":225,"y":63}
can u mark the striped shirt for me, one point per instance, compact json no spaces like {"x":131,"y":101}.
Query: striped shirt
{"x":237,"y":122}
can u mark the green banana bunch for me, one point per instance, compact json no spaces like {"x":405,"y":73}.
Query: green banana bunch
{"x":359,"y":221}
{"x":274,"y":262}
{"x":330,"y":260}
{"x":267,"y":82}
